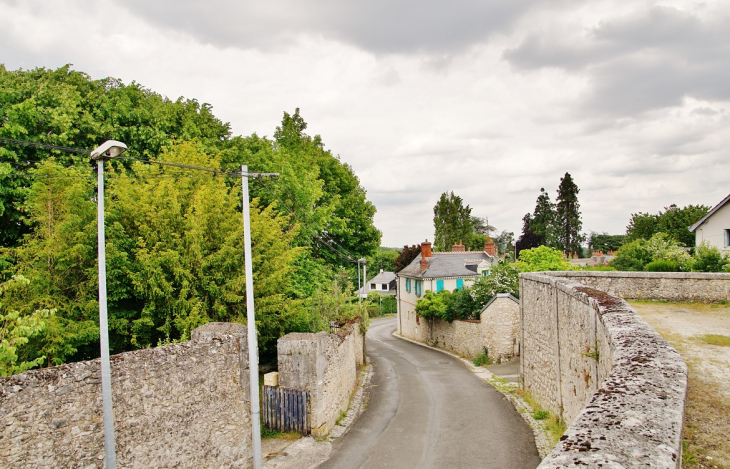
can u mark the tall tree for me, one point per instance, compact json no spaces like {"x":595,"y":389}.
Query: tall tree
{"x":406,"y":256}
{"x":544,"y":220}
{"x":452,"y":221}
{"x":567,"y":216}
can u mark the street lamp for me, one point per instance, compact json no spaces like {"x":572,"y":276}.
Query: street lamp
{"x":106,"y":151}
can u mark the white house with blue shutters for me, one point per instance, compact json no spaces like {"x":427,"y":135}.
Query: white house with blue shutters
{"x":438,"y":271}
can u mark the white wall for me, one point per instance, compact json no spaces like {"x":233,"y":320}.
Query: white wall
{"x":713,"y":230}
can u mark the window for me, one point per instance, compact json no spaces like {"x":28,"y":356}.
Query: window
{"x":373,"y":286}
{"x":459,"y":283}
{"x":485,"y":273}
{"x":727,"y":238}
{"x":439,"y":285}
{"x":408,"y":285}
{"x":418,"y":288}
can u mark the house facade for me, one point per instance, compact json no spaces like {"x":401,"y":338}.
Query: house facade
{"x":383,"y":283}
{"x":714,"y":228}
{"x":438,"y":271}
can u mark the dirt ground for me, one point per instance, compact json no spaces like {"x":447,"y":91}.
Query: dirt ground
{"x":706,"y":432}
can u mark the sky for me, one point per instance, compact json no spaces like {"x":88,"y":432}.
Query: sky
{"x":490,"y":99}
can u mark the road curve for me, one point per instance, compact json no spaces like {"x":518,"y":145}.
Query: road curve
{"x":427,"y":410}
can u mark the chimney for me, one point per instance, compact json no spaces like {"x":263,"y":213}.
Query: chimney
{"x":490,"y":248}
{"x":458,"y":247}
{"x":425,"y":254}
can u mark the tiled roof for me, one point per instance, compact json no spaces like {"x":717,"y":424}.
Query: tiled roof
{"x":446,"y":264}
{"x":383,"y":277}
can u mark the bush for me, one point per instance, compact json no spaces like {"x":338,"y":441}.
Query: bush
{"x":709,"y":259}
{"x":504,"y":278}
{"x":662,"y":265}
{"x":540,"y":259}
{"x":638,"y":254}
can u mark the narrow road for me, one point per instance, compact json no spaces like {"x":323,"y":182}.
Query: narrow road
{"x":427,"y":410}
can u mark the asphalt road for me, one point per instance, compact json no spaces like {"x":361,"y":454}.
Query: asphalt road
{"x":427,"y":410}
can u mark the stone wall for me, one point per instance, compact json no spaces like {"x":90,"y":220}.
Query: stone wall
{"x":671,"y":286}
{"x":497,"y":330}
{"x":587,"y":356}
{"x":181,"y":405}
{"x":325,"y":365}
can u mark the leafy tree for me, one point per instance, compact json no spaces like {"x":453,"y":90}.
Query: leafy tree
{"x":540,"y":259}
{"x":503,"y":278}
{"x":452,"y":221}
{"x":406,"y":256}
{"x":632,"y":256}
{"x":15,"y":331}
{"x":481,"y":226}
{"x":528,"y":239}
{"x":505,"y":242}
{"x":384,"y":258}
{"x":436,"y":305}
{"x":567,"y":216}
{"x":674,"y":221}
{"x":605,"y":242}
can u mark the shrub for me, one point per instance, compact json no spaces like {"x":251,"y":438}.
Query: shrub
{"x":662,"y":265}
{"x":709,"y":259}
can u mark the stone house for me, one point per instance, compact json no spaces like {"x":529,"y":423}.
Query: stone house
{"x":438,"y":271}
{"x":714,"y":228}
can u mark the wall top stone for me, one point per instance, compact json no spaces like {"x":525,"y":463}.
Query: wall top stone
{"x":212,"y":329}
{"x":640,"y":275}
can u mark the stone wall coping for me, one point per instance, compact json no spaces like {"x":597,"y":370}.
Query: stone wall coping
{"x":641,"y":275}
{"x":635,"y":417}
{"x":499,"y":295}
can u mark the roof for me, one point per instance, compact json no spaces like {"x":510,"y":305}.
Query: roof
{"x":383,"y":277}
{"x":446,"y":264}
{"x":709,"y":214}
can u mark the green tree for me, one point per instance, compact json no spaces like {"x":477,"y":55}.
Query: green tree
{"x":527,"y":239}
{"x":384,"y":258}
{"x":452,"y":221}
{"x":567,"y":217}
{"x":540,"y":259}
{"x":674,"y":221}
{"x":544,"y":220}
{"x":637,"y":254}
{"x":605,"y":242}
{"x":503,"y":278}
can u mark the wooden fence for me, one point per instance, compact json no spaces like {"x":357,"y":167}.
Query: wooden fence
{"x":286,"y":410}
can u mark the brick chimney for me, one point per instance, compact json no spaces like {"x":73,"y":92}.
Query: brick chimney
{"x":425,"y":254}
{"x":458,"y":247}
{"x":490,"y":248}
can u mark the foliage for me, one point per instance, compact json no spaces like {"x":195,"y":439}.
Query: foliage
{"x":527,"y":239}
{"x":544,"y":221}
{"x":15,"y":331}
{"x":709,"y":259}
{"x":383,"y":258}
{"x":505,"y":242}
{"x":540,"y":259}
{"x":436,"y":305}
{"x":605,"y":242}
{"x":637,"y":254}
{"x":380,"y":305}
{"x":567,"y":217}
{"x":674,"y":221}
{"x":662,"y":265}
{"x":405,"y":257}
{"x":483,"y":358}
{"x":452,"y":221}
{"x":503,"y":278}
{"x":481,"y":226}
{"x":334,"y":303}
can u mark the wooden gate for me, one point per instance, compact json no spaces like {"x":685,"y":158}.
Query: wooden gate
{"x":286,"y":410}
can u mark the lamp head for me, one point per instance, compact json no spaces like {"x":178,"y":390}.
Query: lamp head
{"x":108,"y":150}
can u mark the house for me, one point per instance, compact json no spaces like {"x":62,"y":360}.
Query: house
{"x":383,"y":283}
{"x":714,"y":228}
{"x":437,"y":271}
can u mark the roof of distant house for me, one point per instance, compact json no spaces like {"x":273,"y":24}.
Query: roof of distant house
{"x":383,"y":277}
{"x":710,"y":213}
{"x":447,"y":264}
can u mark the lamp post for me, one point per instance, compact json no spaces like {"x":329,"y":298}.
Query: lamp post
{"x":106,"y":151}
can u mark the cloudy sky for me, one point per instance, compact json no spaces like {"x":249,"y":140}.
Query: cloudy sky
{"x":491,"y":99}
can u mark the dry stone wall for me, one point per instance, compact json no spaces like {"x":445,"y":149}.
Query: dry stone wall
{"x":325,"y":365}
{"x":590,"y":358}
{"x":181,"y":405}
{"x":497,"y":330}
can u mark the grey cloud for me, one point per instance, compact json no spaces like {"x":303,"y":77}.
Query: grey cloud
{"x":381,"y":26}
{"x":651,"y":60}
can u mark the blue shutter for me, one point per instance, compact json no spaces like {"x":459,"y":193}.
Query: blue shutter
{"x":439,"y":285}
{"x":459,"y":283}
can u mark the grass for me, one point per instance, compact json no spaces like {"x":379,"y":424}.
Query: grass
{"x":343,"y":414}
{"x":482,"y":360}
{"x":553,"y":424}
{"x":266,"y":433}
{"x":715,"y":339}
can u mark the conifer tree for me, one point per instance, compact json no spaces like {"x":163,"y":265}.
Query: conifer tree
{"x":567,"y":216}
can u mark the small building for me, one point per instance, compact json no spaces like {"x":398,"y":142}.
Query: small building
{"x":714,"y":228}
{"x":438,"y":271}
{"x":383,"y":283}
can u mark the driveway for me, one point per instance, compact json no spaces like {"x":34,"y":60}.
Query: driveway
{"x":427,"y":410}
